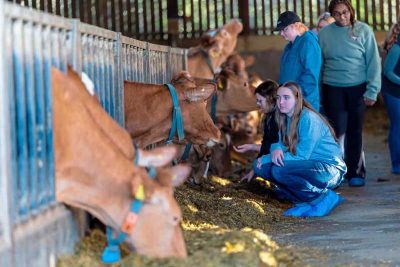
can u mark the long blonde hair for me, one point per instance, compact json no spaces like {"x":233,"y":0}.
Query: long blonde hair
{"x":290,"y":140}
{"x":391,"y":38}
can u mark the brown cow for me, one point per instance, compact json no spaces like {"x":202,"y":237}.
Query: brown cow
{"x":95,"y":171}
{"x":217,"y":45}
{"x":148,"y":111}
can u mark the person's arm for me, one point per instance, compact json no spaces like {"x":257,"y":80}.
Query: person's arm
{"x":247,"y":147}
{"x":373,"y":65}
{"x":390,"y":64}
{"x":311,"y":60}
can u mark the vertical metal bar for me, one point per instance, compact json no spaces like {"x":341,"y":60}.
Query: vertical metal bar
{"x":119,"y":81}
{"x":30,"y":115}
{"x":75,"y":47}
{"x":6,"y":161}
{"x":184,"y":19}
{"x":208,"y":14}
{"x":40,"y":115}
{"x":113,"y":14}
{"x":49,"y":60}
{"x":256,"y":26}
{"x":121,"y":17}
{"x":20,"y":106}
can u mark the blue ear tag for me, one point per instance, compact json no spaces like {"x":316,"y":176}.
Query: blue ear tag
{"x":111,"y":254}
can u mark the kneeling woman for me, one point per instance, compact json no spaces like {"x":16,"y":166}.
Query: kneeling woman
{"x":307,"y":163}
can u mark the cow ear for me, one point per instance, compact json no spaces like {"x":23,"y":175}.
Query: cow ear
{"x":201,"y":93}
{"x":179,"y":174}
{"x":249,"y":60}
{"x":157,"y":157}
{"x":181,"y":77}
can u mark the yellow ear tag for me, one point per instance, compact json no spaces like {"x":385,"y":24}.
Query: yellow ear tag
{"x":139,"y":195}
{"x":220,"y":85}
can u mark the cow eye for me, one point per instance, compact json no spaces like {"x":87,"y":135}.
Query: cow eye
{"x":224,"y":33}
{"x":245,"y":84}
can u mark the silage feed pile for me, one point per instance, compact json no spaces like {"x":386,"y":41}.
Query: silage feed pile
{"x":225,"y":223}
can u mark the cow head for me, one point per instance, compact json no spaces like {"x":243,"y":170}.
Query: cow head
{"x":157,"y":232}
{"x":234,"y":93}
{"x":194,"y":94}
{"x":95,"y":171}
{"x":218,"y":44}
{"x":221,"y":42}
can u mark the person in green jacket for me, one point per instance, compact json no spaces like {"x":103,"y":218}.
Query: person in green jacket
{"x":351,"y":80}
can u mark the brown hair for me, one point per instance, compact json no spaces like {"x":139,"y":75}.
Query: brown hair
{"x":391,"y":38}
{"x":290,"y":140}
{"x":347,"y":3}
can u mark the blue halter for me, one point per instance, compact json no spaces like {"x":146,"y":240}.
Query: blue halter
{"x":112,"y":253}
{"x":177,"y":122}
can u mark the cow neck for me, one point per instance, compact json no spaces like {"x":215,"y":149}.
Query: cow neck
{"x":214,"y":98}
{"x":112,"y":253}
{"x":177,"y":121}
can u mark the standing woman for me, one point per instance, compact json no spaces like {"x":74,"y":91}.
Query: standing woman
{"x":307,"y":162}
{"x":350,"y":81}
{"x":301,"y":59}
{"x":391,"y":92}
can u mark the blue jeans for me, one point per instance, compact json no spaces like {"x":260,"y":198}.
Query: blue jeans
{"x":393,"y":110}
{"x":301,"y":180}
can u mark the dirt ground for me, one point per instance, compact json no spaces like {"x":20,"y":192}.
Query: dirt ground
{"x":231,"y":224}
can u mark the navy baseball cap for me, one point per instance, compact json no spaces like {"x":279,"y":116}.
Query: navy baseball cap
{"x":285,"y":19}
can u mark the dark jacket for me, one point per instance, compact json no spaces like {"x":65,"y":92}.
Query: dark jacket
{"x":271,"y":135}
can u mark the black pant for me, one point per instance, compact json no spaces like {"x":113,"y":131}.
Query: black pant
{"x":345,"y":107}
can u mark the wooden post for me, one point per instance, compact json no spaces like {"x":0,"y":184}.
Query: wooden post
{"x":244,"y":15}
{"x":173,"y":22}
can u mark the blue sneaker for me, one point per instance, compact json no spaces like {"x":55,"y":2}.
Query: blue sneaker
{"x":111,"y":254}
{"x":356,"y":182}
{"x":327,"y":202}
{"x":298,"y":210}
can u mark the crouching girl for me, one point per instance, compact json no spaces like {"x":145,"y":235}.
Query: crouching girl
{"x":307,"y":163}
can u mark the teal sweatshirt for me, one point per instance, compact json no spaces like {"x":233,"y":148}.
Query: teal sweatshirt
{"x":390,"y":64}
{"x":350,"y":57}
{"x":315,"y":142}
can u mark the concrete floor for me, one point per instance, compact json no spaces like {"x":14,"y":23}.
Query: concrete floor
{"x":362,"y":231}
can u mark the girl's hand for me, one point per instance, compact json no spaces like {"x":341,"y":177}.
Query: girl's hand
{"x":243,"y":148}
{"x":277,"y":157}
{"x":369,"y":102}
{"x":248,"y":177}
